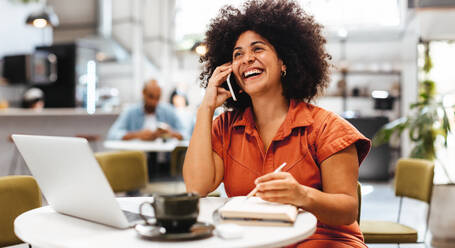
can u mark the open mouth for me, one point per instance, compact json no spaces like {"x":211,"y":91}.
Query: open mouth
{"x":252,"y":73}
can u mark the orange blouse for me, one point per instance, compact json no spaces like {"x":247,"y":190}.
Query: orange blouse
{"x":307,"y":137}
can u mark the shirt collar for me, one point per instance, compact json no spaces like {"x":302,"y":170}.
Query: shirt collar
{"x":246,"y":120}
{"x":299,"y":115}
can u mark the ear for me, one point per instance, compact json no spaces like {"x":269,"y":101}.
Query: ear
{"x":283,"y":66}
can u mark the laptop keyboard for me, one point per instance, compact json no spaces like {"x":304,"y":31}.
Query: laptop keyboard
{"x":131,"y":217}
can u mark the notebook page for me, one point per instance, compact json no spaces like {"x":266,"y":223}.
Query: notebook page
{"x":255,"y":207}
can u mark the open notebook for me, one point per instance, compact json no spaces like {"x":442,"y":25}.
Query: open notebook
{"x":255,"y":211}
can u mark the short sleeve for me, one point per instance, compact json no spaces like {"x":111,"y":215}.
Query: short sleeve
{"x":336,"y":134}
{"x":217,"y":135}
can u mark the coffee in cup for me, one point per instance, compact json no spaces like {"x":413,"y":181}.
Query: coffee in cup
{"x":175,"y":212}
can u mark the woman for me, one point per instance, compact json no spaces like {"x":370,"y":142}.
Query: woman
{"x":186,"y":117}
{"x":276,"y":55}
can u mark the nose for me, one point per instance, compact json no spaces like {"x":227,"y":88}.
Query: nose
{"x":249,"y":57}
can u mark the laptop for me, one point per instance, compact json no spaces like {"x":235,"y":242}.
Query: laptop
{"x":71,"y":179}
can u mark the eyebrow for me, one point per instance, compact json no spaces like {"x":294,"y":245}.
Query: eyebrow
{"x":252,"y":44}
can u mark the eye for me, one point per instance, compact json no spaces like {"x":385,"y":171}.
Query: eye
{"x":236,"y":54}
{"x":257,"y":49}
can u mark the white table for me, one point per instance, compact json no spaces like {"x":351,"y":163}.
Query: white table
{"x":157,"y":145}
{"x":43,"y":227}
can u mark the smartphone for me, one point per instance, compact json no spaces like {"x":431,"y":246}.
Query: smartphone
{"x":232,"y":86}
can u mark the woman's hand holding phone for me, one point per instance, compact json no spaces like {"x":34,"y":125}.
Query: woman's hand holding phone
{"x":215,"y":95}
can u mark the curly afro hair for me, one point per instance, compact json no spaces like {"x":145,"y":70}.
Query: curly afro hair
{"x":294,"y":34}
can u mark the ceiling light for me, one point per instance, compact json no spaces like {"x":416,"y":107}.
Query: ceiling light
{"x":343,"y":33}
{"x":43,"y":18}
{"x":201,"y":49}
{"x":40,"y":23}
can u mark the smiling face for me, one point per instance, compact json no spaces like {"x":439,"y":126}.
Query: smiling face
{"x":256,"y":65}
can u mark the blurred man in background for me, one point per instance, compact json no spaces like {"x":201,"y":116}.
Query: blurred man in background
{"x":149,"y":120}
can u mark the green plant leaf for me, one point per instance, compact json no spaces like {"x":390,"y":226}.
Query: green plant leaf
{"x":385,"y":133}
{"x":428,"y":63}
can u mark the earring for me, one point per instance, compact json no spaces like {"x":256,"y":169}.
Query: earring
{"x":283,"y":73}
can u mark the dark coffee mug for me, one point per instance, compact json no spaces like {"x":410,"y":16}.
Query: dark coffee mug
{"x":175,"y":212}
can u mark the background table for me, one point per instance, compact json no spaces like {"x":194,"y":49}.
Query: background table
{"x":157,"y":145}
{"x":43,"y":227}
{"x":148,"y":146}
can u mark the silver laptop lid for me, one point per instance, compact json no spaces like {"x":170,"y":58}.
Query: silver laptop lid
{"x":70,"y":178}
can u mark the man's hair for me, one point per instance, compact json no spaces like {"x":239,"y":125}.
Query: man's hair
{"x":294,"y":34}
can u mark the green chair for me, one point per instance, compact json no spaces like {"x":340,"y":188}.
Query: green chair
{"x":126,"y":171}
{"x":18,"y":194}
{"x":413,"y":179}
{"x":177,"y":159}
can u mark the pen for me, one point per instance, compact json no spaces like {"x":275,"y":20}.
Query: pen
{"x":255,"y":190}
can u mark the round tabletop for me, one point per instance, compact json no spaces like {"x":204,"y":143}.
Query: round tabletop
{"x":43,"y":227}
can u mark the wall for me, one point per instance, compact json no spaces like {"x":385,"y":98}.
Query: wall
{"x":12,"y":94}
{"x":76,"y":20}
{"x":376,"y":62}
{"x":146,"y":29}
{"x":16,"y":36}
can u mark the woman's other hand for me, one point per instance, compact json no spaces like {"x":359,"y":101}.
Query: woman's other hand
{"x":215,"y":95}
{"x":283,"y":188}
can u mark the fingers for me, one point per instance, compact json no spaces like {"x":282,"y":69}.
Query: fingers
{"x":272,"y":176}
{"x":220,"y":75}
{"x":280,"y":196}
{"x":281,"y":187}
{"x":279,"y":184}
{"x":143,"y":132}
{"x":223,"y":94}
{"x":281,"y":190}
{"x":223,"y":67}
{"x":223,"y":91}
{"x":215,"y":95}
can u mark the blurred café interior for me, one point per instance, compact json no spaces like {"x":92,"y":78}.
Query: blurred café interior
{"x":86,"y":61}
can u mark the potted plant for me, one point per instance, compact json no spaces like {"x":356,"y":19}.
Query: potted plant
{"x":428,"y":128}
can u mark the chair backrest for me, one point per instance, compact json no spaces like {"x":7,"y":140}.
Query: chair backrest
{"x":177,"y":159}
{"x":18,"y":194}
{"x":359,"y":199}
{"x":414,"y":178}
{"x":125,"y":170}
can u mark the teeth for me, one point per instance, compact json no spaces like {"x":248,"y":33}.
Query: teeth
{"x":249,"y":73}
